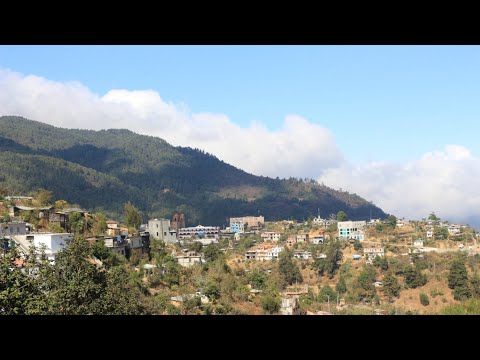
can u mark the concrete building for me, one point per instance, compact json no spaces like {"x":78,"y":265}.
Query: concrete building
{"x":51,"y":242}
{"x":160,"y":229}
{"x":116,"y":244}
{"x":270,"y":236}
{"x":318,"y":221}
{"x":250,"y":221}
{"x":207,"y":231}
{"x":302,"y":254}
{"x":178,"y":222}
{"x":289,"y":306}
{"x":371,"y":253}
{"x":317,"y":237}
{"x":291,"y":241}
{"x":346,"y":228}
{"x":13,"y":228}
{"x":189,"y":259}
{"x":302,"y":238}
{"x":237,"y":227}
{"x":418,"y":242}
{"x":265,"y":252}
{"x":429,"y":234}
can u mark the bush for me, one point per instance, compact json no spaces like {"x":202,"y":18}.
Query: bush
{"x":424,"y":300}
{"x":270,"y":304}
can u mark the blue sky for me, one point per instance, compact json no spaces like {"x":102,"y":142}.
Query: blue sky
{"x":388,"y":103}
{"x":397,"y":125}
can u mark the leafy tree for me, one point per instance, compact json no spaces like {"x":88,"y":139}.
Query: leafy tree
{"x":414,"y":277}
{"x":392,"y":221}
{"x":458,"y":279}
{"x":288,"y":269}
{"x":43,"y":197}
{"x":327,"y":294}
{"x":100,"y":251}
{"x":341,"y":216}
{"x":433,"y":217}
{"x":341,"y":286}
{"x":364,"y":284}
{"x":391,"y":287}
{"x":211,"y":252}
{"x":332,"y":262}
{"x":377,"y":261}
{"x":195,"y":246}
{"x":357,"y":245}
{"x":60,"y":204}
{"x":76,"y":222}
{"x":424,"y":300}
{"x":212,"y":291}
{"x":257,"y":279}
{"x":440,"y":233}
{"x":3,"y":192}
{"x":270,"y":304}
{"x":132,"y":215}
{"x":475,"y":286}
{"x":99,"y":224}
{"x":379,"y":227}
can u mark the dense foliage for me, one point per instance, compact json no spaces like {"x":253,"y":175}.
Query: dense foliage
{"x":102,"y":170}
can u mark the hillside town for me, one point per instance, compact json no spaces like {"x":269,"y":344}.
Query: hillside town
{"x":312,"y":267}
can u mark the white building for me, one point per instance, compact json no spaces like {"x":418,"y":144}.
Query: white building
{"x":302,"y":254}
{"x":418,"y":243}
{"x":159,"y":229}
{"x":189,"y":259}
{"x":429,"y":234}
{"x":189,"y":232}
{"x":454,"y":229}
{"x":371,"y":253}
{"x":302,"y":238}
{"x":270,"y":236}
{"x":52,"y":243}
{"x":347,"y":228}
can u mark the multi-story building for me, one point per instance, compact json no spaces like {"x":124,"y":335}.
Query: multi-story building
{"x":270,"y":236}
{"x":13,"y":228}
{"x":265,"y":252}
{"x":370,"y":253}
{"x":237,"y":227}
{"x":302,"y":238}
{"x":160,"y":229}
{"x":189,"y":232}
{"x":250,"y":221}
{"x":51,"y":243}
{"x":347,"y":228}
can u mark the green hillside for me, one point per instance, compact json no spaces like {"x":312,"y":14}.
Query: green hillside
{"x":101,"y":170}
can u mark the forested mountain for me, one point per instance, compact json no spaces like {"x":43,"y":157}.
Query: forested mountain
{"x":101,"y":170}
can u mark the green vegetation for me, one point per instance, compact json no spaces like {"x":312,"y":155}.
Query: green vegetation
{"x":391,"y":287}
{"x":288,"y":268}
{"x":424,"y":300}
{"x":103,"y":170}
{"x":458,"y":279}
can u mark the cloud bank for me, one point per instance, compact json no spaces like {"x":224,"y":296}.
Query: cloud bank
{"x":444,"y":181}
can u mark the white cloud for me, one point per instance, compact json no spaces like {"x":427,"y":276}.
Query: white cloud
{"x":442,"y":181}
{"x":288,"y":151}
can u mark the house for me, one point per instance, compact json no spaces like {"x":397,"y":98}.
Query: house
{"x":317,"y":237}
{"x":61,"y":217}
{"x":418,"y":243}
{"x":198,"y":231}
{"x":372,"y":252}
{"x":113,"y":228}
{"x":289,"y":306}
{"x":429,"y":234}
{"x":254,"y":222}
{"x":347,"y":228}
{"x":13,"y":228}
{"x":302,"y":238}
{"x":292,"y":240}
{"x":356,"y":257}
{"x":454,"y":229}
{"x":189,"y":259}
{"x":116,"y":244}
{"x":265,"y":251}
{"x":270,"y":236}
{"x":159,"y":229}
{"x":302,"y":254}
{"x":237,"y":227}
{"x":318,"y":221}
{"x":357,"y":235}
{"x":51,"y":242}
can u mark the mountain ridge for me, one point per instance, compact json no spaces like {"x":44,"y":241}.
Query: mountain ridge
{"x":103,"y":169}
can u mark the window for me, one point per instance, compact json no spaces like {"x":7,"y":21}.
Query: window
{"x":164,"y":233}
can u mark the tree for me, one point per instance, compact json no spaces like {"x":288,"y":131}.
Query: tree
{"x":76,"y":222}
{"x":357,"y":245}
{"x":341,"y":216}
{"x":433,"y":217}
{"x":288,"y":269}
{"x":327,"y":294}
{"x":414,"y":277}
{"x":42,"y":197}
{"x":424,"y":300}
{"x":392,"y":221}
{"x":475,"y":286}
{"x":391,"y":287}
{"x":257,"y":279}
{"x":100,"y":251}
{"x":132,"y":215}
{"x":195,"y":246}
{"x":212,"y":291}
{"x":99,"y":224}
{"x":332,"y":262}
{"x":60,"y":204}
{"x":458,"y":279}
{"x":211,"y":252}
{"x":440,"y":233}
{"x":341,"y":286}
{"x":270,"y":304}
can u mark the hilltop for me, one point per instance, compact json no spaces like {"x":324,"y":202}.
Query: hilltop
{"x":101,"y":170}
